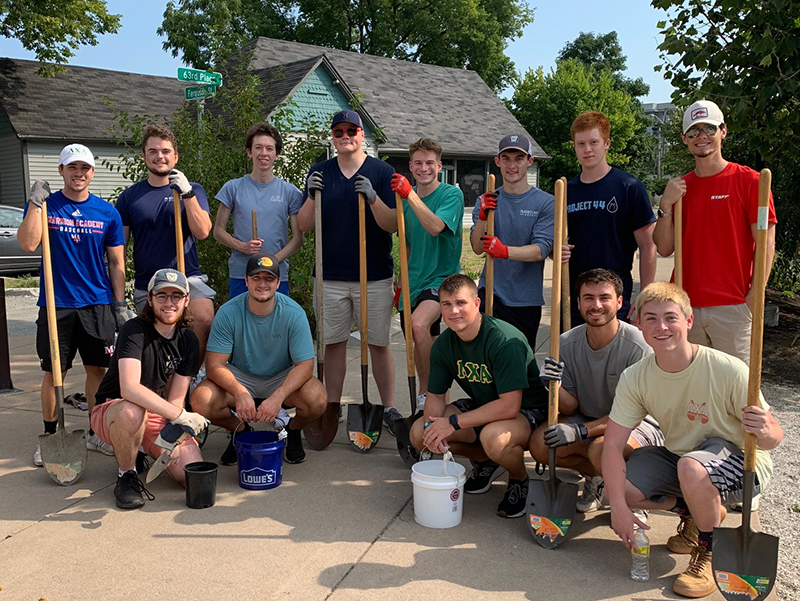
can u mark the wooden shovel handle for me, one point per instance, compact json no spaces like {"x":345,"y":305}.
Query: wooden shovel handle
{"x":362,"y":275}
{"x":404,"y":285}
{"x":566,"y":304}
{"x":555,"y":299}
{"x":318,"y":312}
{"x":255,"y":224}
{"x":490,"y":185}
{"x":179,"y":232}
{"x":50,"y":300}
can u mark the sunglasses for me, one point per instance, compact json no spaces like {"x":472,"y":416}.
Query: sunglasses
{"x":175,"y":297}
{"x":706,"y":128}
{"x":350,"y":131}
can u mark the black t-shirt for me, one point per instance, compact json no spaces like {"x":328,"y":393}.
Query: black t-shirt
{"x":160,"y":357}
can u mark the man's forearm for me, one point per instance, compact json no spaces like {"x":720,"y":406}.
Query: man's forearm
{"x":198,"y":218}
{"x":385,"y":217}
{"x":529,"y":253}
{"x":427,"y":218}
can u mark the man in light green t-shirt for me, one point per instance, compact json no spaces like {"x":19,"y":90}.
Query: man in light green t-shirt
{"x":698,"y":395}
{"x":433,"y":215}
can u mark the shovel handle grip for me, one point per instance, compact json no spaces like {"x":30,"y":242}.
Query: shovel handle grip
{"x":490,"y":186}
{"x":179,"y":232}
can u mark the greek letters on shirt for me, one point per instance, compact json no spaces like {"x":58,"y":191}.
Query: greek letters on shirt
{"x":473,"y":372}
{"x":612,"y":206}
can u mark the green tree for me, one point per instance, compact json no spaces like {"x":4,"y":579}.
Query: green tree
{"x":470,"y":34}
{"x":53,"y":29}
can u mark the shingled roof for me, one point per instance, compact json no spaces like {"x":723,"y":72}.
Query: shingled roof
{"x":408,"y":100}
{"x":70,"y":105}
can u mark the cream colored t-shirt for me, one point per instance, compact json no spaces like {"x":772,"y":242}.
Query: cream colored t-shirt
{"x":704,"y":400}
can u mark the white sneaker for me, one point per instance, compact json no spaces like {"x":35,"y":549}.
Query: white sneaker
{"x":641,"y":515}
{"x":37,"y":456}
{"x":93,"y":443}
{"x":421,"y":401}
{"x":592,"y":497}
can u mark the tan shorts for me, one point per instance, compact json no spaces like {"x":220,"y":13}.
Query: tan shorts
{"x":725,"y":328}
{"x":342,"y":307}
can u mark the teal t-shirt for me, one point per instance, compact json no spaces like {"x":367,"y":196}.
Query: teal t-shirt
{"x":433,"y":258}
{"x":496,"y":361}
{"x":262,"y":346}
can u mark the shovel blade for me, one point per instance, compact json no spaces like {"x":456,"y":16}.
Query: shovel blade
{"x":64,"y":455}
{"x":364,"y":425}
{"x":745,"y":563}
{"x":321,"y":432}
{"x":408,"y":453}
{"x":551,"y":510}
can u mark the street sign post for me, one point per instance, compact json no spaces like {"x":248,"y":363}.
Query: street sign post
{"x":199,"y":76}
{"x":199,"y":92}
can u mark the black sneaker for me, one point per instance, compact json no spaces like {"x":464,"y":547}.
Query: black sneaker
{"x":128,"y":491}
{"x":294,"y":447}
{"x":515,"y":499}
{"x":229,"y":455}
{"x":481,"y":477}
{"x":390,"y":418}
{"x":142,"y":462}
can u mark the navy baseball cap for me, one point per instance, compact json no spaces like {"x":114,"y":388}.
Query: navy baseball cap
{"x":516,"y":142}
{"x":346,"y":117}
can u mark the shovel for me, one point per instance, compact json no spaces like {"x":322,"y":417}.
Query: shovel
{"x":63,"y":455}
{"x":321,"y":432}
{"x":745,"y":562}
{"x":181,"y":265}
{"x":489,"y":259}
{"x":566,"y":303}
{"x":364,"y":421}
{"x":552,"y":502}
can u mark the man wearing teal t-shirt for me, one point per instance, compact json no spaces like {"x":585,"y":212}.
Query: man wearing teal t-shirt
{"x":260,"y":359}
{"x":433,"y":214}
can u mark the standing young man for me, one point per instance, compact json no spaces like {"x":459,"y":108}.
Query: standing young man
{"x":494,"y":365}
{"x":341,"y":179}
{"x":276,"y":203}
{"x":433,"y":218}
{"x":699,"y":397}
{"x":608,"y":215}
{"x":523,"y":238}
{"x":84,"y":231}
{"x":153,"y":349}
{"x":148,"y":212}
{"x":720,"y":211}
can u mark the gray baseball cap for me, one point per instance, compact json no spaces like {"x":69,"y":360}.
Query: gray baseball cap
{"x":168,"y":278}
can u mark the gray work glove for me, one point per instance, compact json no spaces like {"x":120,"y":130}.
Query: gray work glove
{"x":122,"y":313}
{"x":178,"y":181}
{"x":196,"y":422}
{"x":364,"y":186}
{"x":40,"y":191}
{"x":562,"y":434}
{"x":553,"y":370}
{"x":315,"y":182}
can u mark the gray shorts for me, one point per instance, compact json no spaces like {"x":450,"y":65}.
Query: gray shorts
{"x":654,"y":470}
{"x":198,"y":288}
{"x":534,"y":417}
{"x":647,"y":433}
{"x":259,"y":388}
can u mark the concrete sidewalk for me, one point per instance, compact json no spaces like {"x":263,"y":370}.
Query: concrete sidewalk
{"x":341,"y":526}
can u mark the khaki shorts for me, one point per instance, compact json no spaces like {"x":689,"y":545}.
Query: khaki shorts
{"x":725,"y":328}
{"x":342,"y":307}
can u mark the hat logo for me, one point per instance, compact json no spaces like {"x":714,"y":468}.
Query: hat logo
{"x":514,"y":138}
{"x":265,"y":262}
{"x":172,"y":277}
{"x":699,"y":113}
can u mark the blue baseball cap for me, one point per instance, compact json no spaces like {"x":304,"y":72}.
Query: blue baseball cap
{"x":346,"y":117}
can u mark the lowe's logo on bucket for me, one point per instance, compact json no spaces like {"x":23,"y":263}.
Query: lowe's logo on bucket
{"x":257,"y":476}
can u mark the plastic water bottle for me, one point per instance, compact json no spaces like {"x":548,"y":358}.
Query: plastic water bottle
{"x":640,"y":560}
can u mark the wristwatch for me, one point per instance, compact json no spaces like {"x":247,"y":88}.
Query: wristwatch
{"x":663,"y":214}
{"x":583,"y":431}
{"x":454,"y":422}
{"x":188,"y":195}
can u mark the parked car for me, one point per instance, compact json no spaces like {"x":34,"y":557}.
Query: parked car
{"x":14,"y":260}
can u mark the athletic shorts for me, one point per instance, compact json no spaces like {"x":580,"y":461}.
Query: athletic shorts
{"x":152,"y":428}
{"x":237,"y":287}
{"x":88,"y":330}
{"x":647,"y":433}
{"x":726,"y":328}
{"x":342,"y":309}
{"x":428,"y":294}
{"x":198,"y":288}
{"x":654,"y":470}
{"x":534,"y":417}
{"x":525,"y":319}
{"x":259,"y":388}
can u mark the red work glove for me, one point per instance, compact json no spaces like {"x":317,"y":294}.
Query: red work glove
{"x":488,"y":203}
{"x":494,"y":248}
{"x":401,"y":185}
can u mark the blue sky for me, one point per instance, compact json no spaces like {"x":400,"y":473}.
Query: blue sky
{"x":137,"y":48}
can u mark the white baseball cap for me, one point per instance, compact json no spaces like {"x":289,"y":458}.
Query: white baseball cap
{"x":76,"y":152}
{"x":702,"y":111}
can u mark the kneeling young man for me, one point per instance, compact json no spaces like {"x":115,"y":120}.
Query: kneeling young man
{"x":152,"y":350}
{"x":492,"y":362}
{"x":699,"y":397}
{"x":260,"y":359}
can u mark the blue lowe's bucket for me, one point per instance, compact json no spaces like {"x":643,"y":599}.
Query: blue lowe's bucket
{"x":260,"y":457}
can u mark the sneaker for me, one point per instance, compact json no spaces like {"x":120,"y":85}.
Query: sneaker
{"x":698,"y":579}
{"x":390,"y":417}
{"x":229,"y":454}
{"x":685,"y":540}
{"x":282,"y":420}
{"x":37,"y":456}
{"x":482,"y":475}
{"x":421,"y":401}
{"x":142,"y":462}
{"x":129,"y":491}
{"x":93,"y":443}
{"x":294,"y":447}
{"x":641,"y":515}
{"x":592,"y":497}
{"x":515,"y":500}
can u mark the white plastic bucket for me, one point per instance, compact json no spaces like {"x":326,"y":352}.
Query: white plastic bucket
{"x":438,"y":498}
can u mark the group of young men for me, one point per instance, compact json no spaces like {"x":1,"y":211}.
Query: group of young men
{"x":648,"y":396}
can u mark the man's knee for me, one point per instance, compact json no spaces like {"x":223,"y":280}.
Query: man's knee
{"x":206,"y":397}
{"x":129,"y":416}
{"x":538,"y":449}
{"x":313,"y":397}
{"x":691,"y":471}
{"x":416,"y":432}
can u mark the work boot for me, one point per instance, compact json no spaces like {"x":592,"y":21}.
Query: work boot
{"x":685,"y":540}
{"x":698,"y":579}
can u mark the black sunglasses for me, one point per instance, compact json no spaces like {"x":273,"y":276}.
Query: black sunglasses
{"x":351,"y":131}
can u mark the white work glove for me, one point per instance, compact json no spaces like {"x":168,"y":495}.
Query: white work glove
{"x":122,"y":313}
{"x":364,"y":186}
{"x":178,"y":181}
{"x":562,"y":434}
{"x":315,"y":182}
{"x":40,"y":191}
{"x":195,"y":421}
{"x":553,"y":370}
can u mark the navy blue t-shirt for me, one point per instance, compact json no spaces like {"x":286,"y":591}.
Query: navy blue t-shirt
{"x":340,"y":222}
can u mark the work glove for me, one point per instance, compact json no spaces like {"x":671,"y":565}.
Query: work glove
{"x":553,"y":370}
{"x":122,"y":314}
{"x":315,"y":182}
{"x":561,"y":435}
{"x":178,"y":181}
{"x":194,"y":421}
{"x":494,"y":248}
{"x":170,"y":434}
{"x":364,"y":186}
{"x":401,"y":185}
{"x":40,"y":190}
{"x":488,"y":202}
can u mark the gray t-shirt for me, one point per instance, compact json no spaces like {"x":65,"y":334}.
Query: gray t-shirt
{"x":592,"y":376}
{"x":273,"y":203}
